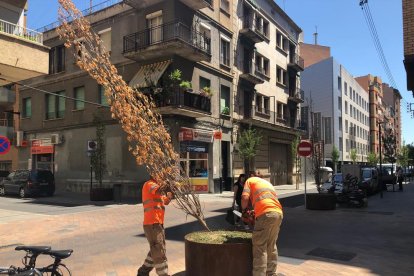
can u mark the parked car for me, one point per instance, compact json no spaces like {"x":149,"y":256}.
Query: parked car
{"x":337,"y":180}
{"x":28,"y":183}
{"x":3,"y":175}
{"x":369,"y":179}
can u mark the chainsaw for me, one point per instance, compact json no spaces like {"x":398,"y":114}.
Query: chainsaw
{"x":247,"y":217}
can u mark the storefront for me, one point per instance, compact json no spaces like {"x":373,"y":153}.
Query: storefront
{"x":42,"y":151}
{"x":194,"y":156}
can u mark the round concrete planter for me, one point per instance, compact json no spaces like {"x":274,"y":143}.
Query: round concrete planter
{"x":230,"y":258}
{"x":320,"y":201}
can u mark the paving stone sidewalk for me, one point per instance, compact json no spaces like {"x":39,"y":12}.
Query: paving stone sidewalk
{"x":109,"y":241}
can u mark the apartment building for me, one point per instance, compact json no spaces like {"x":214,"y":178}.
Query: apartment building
{"x":267,"y":85}
{"x":392,"y":102}
{"x":340,"y":110}
{"x":408,"y":30}
{"x":374,"y":86}
{"x":22,"y":56}
{"x":147,"y":40}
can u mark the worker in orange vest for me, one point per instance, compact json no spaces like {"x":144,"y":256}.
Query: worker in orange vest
{"x":154,"y":201}
{"x":268,"y":215}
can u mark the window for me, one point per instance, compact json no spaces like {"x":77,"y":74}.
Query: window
{"x":55,"y":105}
{"x":80,"y":97}
{"x":328,"y":132}
{"x":340,"y":123}
{"x":154,"y":21}
{"x":339,"y":83}
{"x":106,"y":37}
{"x":346,"y":107}
{"x":347,"y":145}
{"x":262,"y":25}
{"x":340,"y":103}
{"x":204,"y":83}
{"x":27,"y":107}
{"x":346,"y":126}
{"x":225,"y":6}
{"x":102,"y":98}
{"x":262,"y":104}
{"x":262,"y":65}
{"x":281,"y":76}
{"x":225,"y":51}
{"x":346,"y":88}
{"x":205,"y":37}
{"x":57,"y":59}
{"x":340,"y":144}
{"x":281,"y":41}
{"x":225,"y":100}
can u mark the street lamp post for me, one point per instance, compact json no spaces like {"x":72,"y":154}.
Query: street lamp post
{"x":380,"y":157}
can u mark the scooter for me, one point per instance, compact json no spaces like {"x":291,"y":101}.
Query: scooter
{"x":352,"y":194}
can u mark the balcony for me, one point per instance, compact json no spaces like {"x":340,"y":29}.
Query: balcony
{"x":193,"y":4}
{"x":264,"y":117}
{"x":252,"y":30}
{"x":174,"y":38}
{"x":251,"y":73}
{"x":7,"y":97}
{"x":184,"y":103}
{"x":297,"y":96}
{"x":22,"y":54}
{"x":296,"y":62}
{"x":6,"y":128}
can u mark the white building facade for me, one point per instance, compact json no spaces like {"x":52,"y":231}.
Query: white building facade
{"x":340,"y":107}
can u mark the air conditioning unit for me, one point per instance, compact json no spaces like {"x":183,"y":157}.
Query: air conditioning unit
{"x":19,"y":138}
{"x":55,"y":139}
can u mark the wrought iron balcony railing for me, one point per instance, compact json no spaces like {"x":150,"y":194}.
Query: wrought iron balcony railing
{"x":175,"y":30}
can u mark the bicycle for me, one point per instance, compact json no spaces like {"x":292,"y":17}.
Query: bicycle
{"x":57,"y":268}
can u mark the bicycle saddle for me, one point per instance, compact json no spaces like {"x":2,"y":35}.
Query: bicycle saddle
{"x":60,"y":254}
{"x":34,"y":249}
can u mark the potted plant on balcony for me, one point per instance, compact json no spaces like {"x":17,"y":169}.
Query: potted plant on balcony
{"x":206,"y":92}
{"x":186,"y":86}
{"x":225,"y":111}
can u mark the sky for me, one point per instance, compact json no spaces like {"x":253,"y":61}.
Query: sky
{"x":341,"y":25}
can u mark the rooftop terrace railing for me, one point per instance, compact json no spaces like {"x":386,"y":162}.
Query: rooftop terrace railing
{"x":20,"y":31}
{"x":85,"y":12}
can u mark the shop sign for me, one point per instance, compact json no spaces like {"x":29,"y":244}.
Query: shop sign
{"x":191,"y":134}
{"x":218,"y":135}
{"x":41,"y":146}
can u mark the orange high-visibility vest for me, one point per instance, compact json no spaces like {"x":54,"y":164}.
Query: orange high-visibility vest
{"x":153,"y":203}
{"x":262,"y":195}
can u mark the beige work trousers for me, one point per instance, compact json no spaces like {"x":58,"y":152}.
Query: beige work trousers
{"x":265,"y":234}
{"x":156,"y":257}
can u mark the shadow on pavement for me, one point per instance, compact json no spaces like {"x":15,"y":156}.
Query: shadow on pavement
{"x":70,"y":199}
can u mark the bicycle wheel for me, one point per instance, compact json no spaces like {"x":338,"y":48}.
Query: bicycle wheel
{"x":62,"y":270}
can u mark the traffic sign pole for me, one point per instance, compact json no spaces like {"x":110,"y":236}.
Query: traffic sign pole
{"x":305,"y":178}
{"x":305,"y":149}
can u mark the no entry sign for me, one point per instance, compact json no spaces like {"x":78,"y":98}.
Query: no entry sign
{"x":4,"y":145}
{"x":304,"y":148}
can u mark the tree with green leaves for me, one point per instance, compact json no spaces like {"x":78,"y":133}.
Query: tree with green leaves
{"x":403,"y":157}
{"x":335,"y":157}
{"x":390,"y":146}
{"x":295,"y":157}
{"x":98,"y":157}
{"x":372,"y":159}
{"x":249,"y":142}
{"x":353,"y":155}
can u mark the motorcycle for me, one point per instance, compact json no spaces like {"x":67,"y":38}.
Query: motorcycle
{"x":351,"y":193}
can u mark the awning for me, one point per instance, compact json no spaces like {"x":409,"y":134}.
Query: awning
{"x":149,"y":75}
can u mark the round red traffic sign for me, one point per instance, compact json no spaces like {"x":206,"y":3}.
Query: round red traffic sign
{"x":305,"y":148}
{"x":4,"y":145}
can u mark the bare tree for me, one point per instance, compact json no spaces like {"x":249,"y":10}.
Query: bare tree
{"x":149,"y":140}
